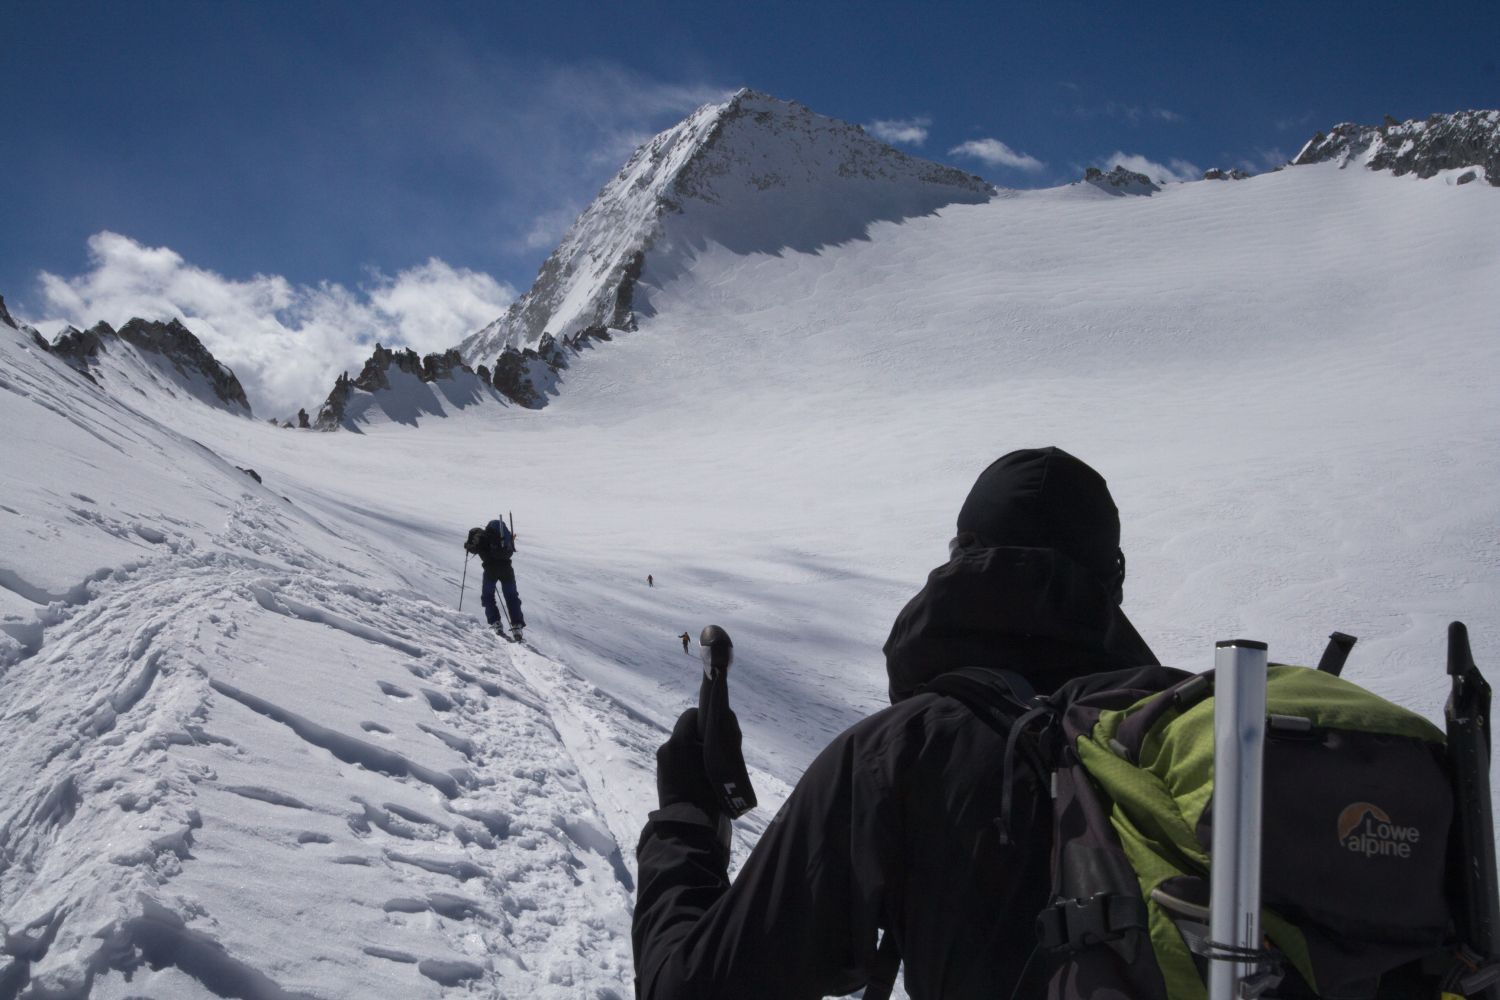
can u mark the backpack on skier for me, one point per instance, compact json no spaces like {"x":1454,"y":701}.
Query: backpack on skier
{"x":494,"y":539}
{"x":1378,"y":861}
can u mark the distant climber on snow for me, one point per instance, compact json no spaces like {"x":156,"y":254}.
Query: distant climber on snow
{"x":650,"y":582}
{"x":494,"y":544}
{"x":685,"y":640}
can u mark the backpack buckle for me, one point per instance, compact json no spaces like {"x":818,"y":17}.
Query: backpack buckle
{"x":1070,"y":925}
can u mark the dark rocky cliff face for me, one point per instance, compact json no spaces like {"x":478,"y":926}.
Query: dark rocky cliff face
{"x":1120,"y":181}
{"x":177,"y":344}
{"x":375,"y":377}
{"x":6,"y":319}
{"x":1425,"y":148}
{"x":171,"y":342}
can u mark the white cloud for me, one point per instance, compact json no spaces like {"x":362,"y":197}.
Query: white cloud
{"x":285,"y":342}
{"x":547,"y":229}
{"x":435,"y":305}
{"x":1174,"y":170}
{"x":1298,"y":122}
{"x":905,"y":131}
{"x":997,"y":154}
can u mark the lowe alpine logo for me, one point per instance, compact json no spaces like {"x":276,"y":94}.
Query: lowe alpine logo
{"x":1364,"y":828}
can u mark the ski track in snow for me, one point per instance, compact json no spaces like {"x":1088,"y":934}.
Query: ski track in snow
{"x":479,"y":857}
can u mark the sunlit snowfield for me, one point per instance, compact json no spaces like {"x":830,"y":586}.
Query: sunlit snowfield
{"x":264,"y":732}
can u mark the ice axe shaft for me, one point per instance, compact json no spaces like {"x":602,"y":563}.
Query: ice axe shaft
{"x":719,"y":729}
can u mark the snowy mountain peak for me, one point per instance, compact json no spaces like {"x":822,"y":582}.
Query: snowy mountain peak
{"x":754,"y":174}
{"x":1467,"y":142}
{"x":5,"y":317}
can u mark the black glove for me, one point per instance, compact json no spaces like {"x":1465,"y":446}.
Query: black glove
{"x":680,"y":775}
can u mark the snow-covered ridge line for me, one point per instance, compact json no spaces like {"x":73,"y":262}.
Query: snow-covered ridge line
{"x":1466,"y":141}
{"x":751,"y":150}
{"x":170,"y":348}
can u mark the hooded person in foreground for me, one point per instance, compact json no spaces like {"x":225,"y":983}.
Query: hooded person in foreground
{"x":893,"y":828}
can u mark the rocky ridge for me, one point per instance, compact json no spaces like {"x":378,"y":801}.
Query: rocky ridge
{"x":1465,"y":141}
{"x":6,"y":319}
{"x":186,"y":359}
{"x":1120,"y":181}
{"x":753,"y":173}
{"x":523,"y":377}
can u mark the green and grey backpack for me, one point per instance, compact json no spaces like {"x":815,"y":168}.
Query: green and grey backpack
{"x":1370,"y":877}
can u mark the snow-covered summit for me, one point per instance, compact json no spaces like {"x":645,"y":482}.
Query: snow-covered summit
{"x":754,"y":174}
{"x":1467,"y":142}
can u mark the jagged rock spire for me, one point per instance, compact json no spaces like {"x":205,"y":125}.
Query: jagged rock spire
{"x":1464,"y":139}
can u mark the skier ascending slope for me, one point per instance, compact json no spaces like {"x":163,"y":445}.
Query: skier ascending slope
{"x":494,"y":544}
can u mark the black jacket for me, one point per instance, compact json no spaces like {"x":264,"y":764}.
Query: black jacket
{"x":893,"y":826}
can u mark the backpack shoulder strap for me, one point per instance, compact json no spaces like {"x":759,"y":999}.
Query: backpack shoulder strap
{"x":997,"y":697}
{"x":1007,"y":703}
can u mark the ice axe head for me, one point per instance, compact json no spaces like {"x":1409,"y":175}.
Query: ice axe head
{"x":717,"y":651}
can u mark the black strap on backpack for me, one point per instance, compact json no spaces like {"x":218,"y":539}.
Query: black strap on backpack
{"x":1336,"y":652}
{"x":1006,"y":702}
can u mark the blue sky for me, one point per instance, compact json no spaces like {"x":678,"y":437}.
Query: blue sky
{"x":354,"y":150}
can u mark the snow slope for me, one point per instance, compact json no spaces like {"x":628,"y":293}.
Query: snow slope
{"x":1287,"y":380}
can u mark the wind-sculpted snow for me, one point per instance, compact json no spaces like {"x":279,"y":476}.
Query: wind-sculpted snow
{"x":199,"y":754}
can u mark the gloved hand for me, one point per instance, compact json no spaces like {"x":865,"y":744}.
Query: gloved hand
{"x":680,"y":774}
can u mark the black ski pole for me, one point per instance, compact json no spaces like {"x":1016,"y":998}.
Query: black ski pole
{"x":1468,"y":716}
{"x":463,"y":582}
{"x":718,"y":727}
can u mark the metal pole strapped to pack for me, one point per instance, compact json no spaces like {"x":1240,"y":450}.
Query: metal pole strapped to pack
{"x":1239,"y":758}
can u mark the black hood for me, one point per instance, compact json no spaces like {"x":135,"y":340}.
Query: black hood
{"x":1034,"y":611}
{"x":1044,"y":498}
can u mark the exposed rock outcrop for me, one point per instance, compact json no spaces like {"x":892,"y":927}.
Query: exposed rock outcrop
{"x":331,"y":413}
{"x":170,"y":342}
{"x":6,"y":319}
{"x":1467,"y":141}
{"x":375,"y":377}
{"x":79,"y":347}
{"x":176,"y":343}
{"x":1120,"y":181}
{"x":1216,"y":174}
